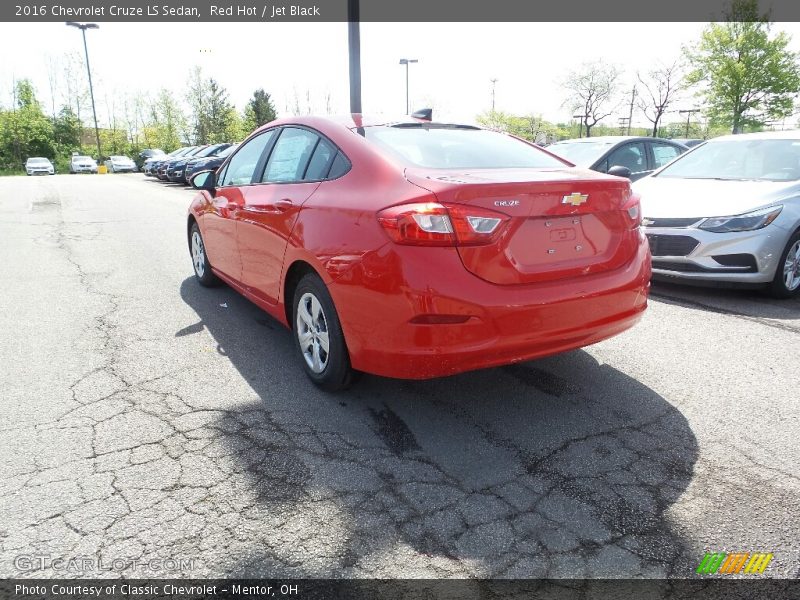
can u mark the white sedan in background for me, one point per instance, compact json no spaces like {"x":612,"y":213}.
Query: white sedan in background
{"x":82,"y":164}
{"x":39,"y":166}
{"x":728,"y":211}
{"x":120,"y":164}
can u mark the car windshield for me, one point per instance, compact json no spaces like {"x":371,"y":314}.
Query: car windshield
{"x":38,"y":161}
{"x":455,"y":147}
{"x":736,"y":159}
{"x":81,"y":158}
{"x":583,"y":154}
{"x":120,"y":158}
{"x":227,"y":151}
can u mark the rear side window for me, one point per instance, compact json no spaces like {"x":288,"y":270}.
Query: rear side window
{"x":339,"y":167}
{"x":290,"y":156}
{"x":449,"y":147}
{"x":320,"y":161}
{"x":664,"y":153}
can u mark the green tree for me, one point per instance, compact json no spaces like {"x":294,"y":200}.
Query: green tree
{"x":592,"y":91}
{"x":259,"y":110}
{"x":749,"y":76}
{"x":25,"y":130}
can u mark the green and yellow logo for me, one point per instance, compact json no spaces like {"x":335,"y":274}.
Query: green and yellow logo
{"x":736,"y":562}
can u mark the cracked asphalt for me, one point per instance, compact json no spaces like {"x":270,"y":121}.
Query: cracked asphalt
{"x":144,"y":417}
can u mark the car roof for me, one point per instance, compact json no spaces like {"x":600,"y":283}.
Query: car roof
{"x":350,"y":121}
{"x":790,"y":134}
{"x":611,"y":139}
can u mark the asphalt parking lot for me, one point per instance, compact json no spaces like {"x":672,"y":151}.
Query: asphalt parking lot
{"x":145,"y":418}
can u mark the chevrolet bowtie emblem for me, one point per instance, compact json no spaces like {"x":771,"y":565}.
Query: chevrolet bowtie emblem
{"x":575,"y":199}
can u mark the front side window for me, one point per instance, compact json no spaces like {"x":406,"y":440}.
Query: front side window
{"x":242,"y":166}
{"x":631,"y":156}
{"x":291,"y":154}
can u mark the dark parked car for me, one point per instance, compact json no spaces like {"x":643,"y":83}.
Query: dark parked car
{"x":625,"y":156}
{"x":160,"y":168}
{"x":688,"y":142}
{"x":209,"y":163}
{"x":150,"y":165}
{"x":145,"y":154}
{"x":176,"y":168}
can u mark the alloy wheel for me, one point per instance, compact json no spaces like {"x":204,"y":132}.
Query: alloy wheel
{"x":198,"y":254}
{"x":312,"y":332}
{"x":791,"y":268}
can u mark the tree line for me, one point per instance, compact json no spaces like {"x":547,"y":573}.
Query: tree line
{"x":135,"y":122}
{"x":743,"y":76}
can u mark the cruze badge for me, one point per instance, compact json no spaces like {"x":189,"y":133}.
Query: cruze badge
{"x":506,"y":202}
{"x":575,"y":199}
{"x":647,"y":222}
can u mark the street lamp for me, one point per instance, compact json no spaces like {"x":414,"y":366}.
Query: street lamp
{"x":83,"y":27}
{"x":406,"y":62}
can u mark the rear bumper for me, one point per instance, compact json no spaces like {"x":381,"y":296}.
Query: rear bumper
{"x":506,"y":324}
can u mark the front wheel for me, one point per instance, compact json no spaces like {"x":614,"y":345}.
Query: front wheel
{"x":786,"y":283}
{"x":318,"y":336}
{"x":202,"y":268}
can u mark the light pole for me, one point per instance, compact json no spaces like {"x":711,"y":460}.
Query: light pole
{"x":406,"y":62}
{"x":83,"y":27}
{"x":494,"y":83}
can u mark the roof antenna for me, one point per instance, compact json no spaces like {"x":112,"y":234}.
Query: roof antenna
{"x":426,"y":114}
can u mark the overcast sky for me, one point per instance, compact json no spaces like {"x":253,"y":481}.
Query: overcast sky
{"x":456,"y":61}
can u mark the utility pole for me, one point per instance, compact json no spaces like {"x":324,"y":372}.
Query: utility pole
{"x":580,"y":125}
{"x":688,"y":113}
{"x":494,"y":83}
{"x":622,"y":122}
{"x":83,"y":27}
{"x":630,"y":114}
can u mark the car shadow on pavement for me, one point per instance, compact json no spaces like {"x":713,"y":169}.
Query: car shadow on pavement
{"x":749,"y":303}
{"x":560,"y":467}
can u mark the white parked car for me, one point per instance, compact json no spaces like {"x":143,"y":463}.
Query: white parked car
{"x":120,"y":164}
{"x":39,"y":166}
{"x":82,"y":164}
{"x":728,"y":211}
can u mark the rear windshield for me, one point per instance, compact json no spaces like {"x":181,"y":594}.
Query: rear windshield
{"x":440,"y":147}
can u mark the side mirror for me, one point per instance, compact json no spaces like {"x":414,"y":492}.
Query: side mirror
{"x":204,"y":180}
{"x":620,"y":171}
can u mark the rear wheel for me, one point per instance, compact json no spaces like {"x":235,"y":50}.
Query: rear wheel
{"x":318,"y":336}
{"x":202,"y":268}
{"x":786,"y":283}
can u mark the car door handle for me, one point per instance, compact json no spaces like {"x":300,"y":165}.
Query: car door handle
{"x":276,"y":207}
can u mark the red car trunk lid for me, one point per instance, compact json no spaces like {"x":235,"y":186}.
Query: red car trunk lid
{"x":564,"y":222}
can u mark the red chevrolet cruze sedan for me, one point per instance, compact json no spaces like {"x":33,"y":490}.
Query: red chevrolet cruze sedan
{"x":417,"y":249}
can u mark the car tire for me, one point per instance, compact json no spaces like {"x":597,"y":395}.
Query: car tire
{"x":785,"y":285}
{"x":314,"y":323}
{"x":202,"y":268}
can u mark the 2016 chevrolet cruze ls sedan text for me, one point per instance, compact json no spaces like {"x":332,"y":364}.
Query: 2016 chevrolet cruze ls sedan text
{"x":414,"y":249}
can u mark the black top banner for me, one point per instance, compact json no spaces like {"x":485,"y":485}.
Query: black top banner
{"x":385,"y":10}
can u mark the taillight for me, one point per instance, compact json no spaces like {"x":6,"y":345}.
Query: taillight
{"x":633,"y":211}
{"x":434,"y":224}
